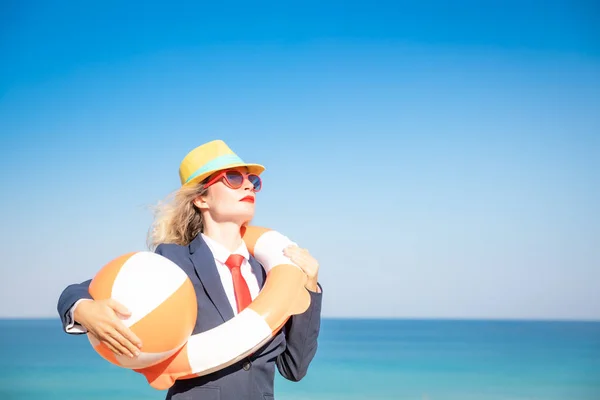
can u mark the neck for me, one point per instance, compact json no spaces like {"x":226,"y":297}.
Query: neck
{"x":227,"y":234}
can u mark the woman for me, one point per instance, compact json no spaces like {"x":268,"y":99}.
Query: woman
{"x":200,"y":231}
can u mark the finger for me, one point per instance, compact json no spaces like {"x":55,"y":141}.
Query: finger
{"x":102,"y":338}
{"x":117,"y":340}
{"x":293,"y":247}
{"x":297,"y":254}
{"x":298,"y":259}
{"x":306,"y":263}
{"x":129,"y":339}
{"x":119,"y":308}
{"x":112,"y":348}
{"x":293,"y":250}
{"x":293,"y":256}
{"x":297,"y":249}
{"x":133,"y":342}
{"x":301,"y":254}
{"x":111,"y":344}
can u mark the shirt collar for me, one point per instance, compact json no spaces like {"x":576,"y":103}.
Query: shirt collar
{"x":219,"y":251}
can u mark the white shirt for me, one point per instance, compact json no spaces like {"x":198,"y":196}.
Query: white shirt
{"x":220,"y":254}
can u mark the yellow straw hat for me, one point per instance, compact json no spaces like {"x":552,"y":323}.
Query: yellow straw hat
{"x":209,"y":158}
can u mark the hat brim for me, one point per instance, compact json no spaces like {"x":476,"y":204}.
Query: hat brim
{"x":252,"y":168}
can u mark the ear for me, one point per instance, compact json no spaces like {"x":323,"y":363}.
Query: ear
{"x":200,"y":203}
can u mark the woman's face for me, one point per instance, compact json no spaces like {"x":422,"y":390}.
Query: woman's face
{"x":226,"y":204}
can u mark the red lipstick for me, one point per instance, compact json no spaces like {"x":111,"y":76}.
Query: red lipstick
{"x":249,"y":199}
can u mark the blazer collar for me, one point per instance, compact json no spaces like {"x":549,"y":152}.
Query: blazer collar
{"x":220,"y":252}
{"x":204,"y":264}
{"x":258,"y":270}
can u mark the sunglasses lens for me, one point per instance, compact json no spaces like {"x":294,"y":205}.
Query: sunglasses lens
{"x":235,"y":178}
{"x":255,"y":180}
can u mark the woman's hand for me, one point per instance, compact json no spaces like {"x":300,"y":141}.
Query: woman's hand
{"x":101,"y":318}
{"x":307,"y":263}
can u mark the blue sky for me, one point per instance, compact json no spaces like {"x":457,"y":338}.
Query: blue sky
{"x":438,"y":161}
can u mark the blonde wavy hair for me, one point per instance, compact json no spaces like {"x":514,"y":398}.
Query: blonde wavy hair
{"x":176,"y":218}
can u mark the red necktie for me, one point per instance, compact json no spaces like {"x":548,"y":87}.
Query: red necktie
{"x":240,"y":287}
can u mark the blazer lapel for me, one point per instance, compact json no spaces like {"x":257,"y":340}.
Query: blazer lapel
{"x":204,"y":264}
{"x":258,"y":270}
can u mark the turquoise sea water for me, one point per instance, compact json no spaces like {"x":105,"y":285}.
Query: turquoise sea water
{"x":357,"y":359}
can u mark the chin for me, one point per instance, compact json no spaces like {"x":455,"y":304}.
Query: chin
{"x":238,"y":213}
{"x":243,"y":217}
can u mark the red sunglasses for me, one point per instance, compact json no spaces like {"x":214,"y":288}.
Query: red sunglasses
{"x":235,"y":179}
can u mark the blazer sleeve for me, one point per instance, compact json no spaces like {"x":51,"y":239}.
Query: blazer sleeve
{"x":69,"y":298}
{"x":301,"y":332}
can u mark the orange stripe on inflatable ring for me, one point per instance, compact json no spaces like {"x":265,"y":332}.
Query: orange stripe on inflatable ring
{"x":283,"y":295}
{"x":251,"y":234}
{"x":179,"y":310}
{"x":101,"y":286}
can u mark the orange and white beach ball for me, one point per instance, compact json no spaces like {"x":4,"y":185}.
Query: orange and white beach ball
{"x":161,"y":299}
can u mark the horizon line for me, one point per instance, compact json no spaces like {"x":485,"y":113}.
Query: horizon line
{"x":383,"y":318}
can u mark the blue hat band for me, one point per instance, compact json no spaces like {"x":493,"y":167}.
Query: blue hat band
{"x":220,"y":162}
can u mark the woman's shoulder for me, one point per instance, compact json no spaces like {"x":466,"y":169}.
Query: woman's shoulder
{"x":170,"y":249}
{"x":179,"y":254}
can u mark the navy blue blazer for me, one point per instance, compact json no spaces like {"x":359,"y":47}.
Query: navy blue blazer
{"x":291,"y":350}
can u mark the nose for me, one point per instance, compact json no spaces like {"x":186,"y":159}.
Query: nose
{"x":247,"y":185}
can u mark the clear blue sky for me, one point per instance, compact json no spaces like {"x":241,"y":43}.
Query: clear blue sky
{"x":439,"y":161}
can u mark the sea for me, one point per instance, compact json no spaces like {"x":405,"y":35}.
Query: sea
{"x":356,"y":359}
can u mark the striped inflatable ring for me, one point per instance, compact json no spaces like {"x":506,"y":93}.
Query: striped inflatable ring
{"x":282,"y":296}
